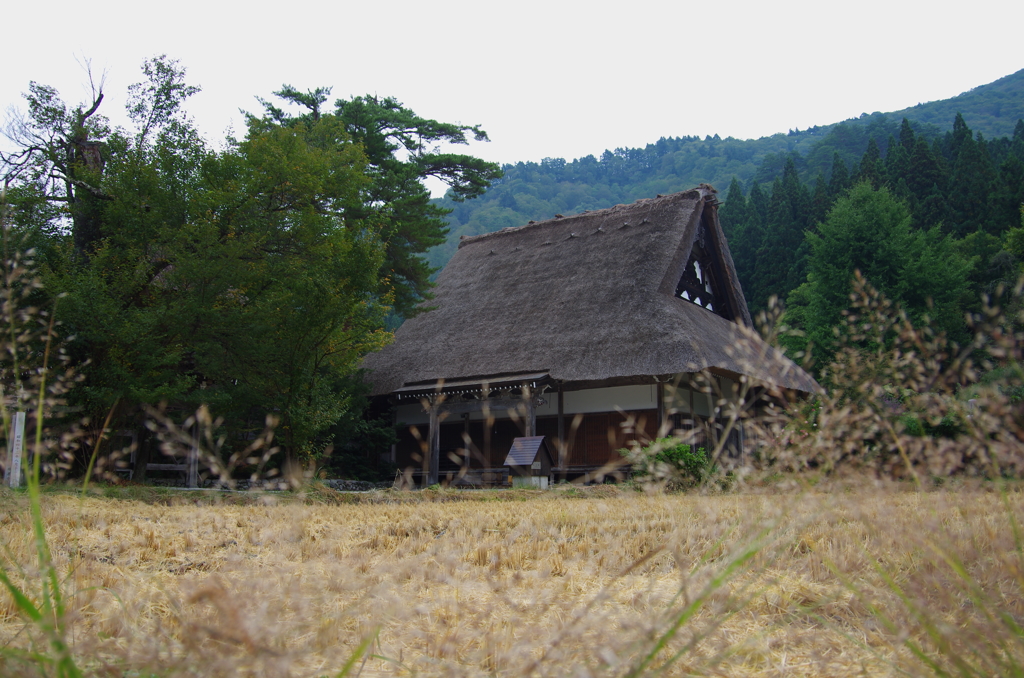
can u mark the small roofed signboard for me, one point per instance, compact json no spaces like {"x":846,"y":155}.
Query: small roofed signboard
{"x":530,"y":462}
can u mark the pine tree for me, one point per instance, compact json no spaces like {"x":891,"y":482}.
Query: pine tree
{"x":907,"y":140}
{"x":1017,"y":143}
{"x":960,"y":135}
{"x":743,"y":230}
{"x":781,"y":264}
{"x":871,"y":168}
{"x":757,"y":204}
{"x":1009,"y":196}
{"x":733,"y":214}
{"x":897,"y":163}
{"x":923,"y":170}
{"x":821,"y":201}
{"x":970,"y":183}
{"x":402,"y":151}
{"x":839,"y":180}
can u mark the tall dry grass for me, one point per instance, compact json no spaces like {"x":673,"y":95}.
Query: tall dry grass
{"x":605,"y":582}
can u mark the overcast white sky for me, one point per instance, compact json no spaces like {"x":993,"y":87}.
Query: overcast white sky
{"x":545,"y":79}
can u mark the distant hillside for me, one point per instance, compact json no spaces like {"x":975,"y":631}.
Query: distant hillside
{"x":992,"y":109}
{"x":535,"y":191}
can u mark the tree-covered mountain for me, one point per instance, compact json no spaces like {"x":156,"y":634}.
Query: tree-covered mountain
{"x":535,"y":191}
{"x":991,"y":109}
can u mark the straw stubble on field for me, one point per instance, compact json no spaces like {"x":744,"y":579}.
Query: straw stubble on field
{"x":549,"y":585}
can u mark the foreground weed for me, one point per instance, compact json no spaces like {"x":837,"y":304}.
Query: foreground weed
{"x":904,"y":401}
{"x":27,"y":330}
{"x":954,"y":618}
{"x":736,"y":564}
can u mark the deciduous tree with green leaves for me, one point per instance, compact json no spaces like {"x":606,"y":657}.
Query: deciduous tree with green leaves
{"x":869,"y":230}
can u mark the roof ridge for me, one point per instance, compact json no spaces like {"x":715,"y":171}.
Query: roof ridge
{"x":693,"y":193}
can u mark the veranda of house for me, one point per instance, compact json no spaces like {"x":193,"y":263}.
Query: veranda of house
{"x":589,"y":427}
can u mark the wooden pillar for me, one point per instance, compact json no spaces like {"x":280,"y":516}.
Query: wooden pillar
{"x":432,"y":462}
{"x":713,"y":428}
{"x":488,"y":422}
{"x":466,"y":442}
{"x":689,"y":388}
{"x":192,"y":480}
{"x":488,"y":428}
{"x":142,"y":451}
{"x":661,"y":407}
{"x":715,"y":387}
{"x":561,"y":431}
{"x":531,"y":412}
{"x":394,"y":426}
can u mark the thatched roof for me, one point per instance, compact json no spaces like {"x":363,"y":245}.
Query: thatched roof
{"x":585,"y":298}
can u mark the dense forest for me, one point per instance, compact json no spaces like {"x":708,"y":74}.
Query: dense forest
{"x":932,"y":225}
{"x":535,"y":191}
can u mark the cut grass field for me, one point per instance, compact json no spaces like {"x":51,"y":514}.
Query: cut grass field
{"x":599,"y":581}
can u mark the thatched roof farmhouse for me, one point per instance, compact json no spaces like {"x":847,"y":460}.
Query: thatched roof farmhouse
{"x":569,"y":327}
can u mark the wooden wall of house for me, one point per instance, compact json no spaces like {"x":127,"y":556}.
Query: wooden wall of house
{"x":593,"y":443}
{"x":453,"y":449}
{"x":600,"y":435}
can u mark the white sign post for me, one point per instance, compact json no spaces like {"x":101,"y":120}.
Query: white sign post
{"x":17,"y":447}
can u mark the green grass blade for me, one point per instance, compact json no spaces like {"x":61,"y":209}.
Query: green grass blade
{"x":356,"y":655}
{"x":20,"y":599}
{"x":96,"y":447}
{"x":690,"y":610}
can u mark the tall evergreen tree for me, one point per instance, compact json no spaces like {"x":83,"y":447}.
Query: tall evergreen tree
{"x":821,"y":201}
{"x":733,"y":214}
{"x":871,"y":167}
{"x":960,"y":135}
{"x":1017,"y":142}
{"x":897,"y":164}
{"x":923,"y":170}
{"x":757,"y":204}
{"x":742,"y":228}
{"x":907,"y":140}
{"x":932,"y":210}
{"x":780,"y":263}
{"x":746,"y":255}
{"x":1009,"y":195}
{"x":970,"y":183}
{"x":233,"y":278}
{"x":839,"y":180}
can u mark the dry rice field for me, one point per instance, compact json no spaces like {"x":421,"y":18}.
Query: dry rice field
{"x":563,"y":583}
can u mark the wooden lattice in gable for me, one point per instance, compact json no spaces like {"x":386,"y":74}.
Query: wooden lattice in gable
{"x":703,"y":281}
